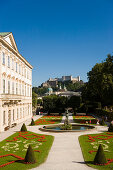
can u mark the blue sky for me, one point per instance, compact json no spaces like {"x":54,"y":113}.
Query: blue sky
{"x":60,"y":37}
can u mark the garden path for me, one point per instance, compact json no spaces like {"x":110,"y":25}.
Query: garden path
{"x":65,"y":153}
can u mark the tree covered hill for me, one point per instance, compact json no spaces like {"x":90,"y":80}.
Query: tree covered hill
{"x":68,"y":84}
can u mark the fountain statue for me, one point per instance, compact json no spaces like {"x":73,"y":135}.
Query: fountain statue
{"x":67,"y":125}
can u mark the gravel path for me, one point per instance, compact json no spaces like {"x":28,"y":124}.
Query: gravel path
{"x":65,"y":153}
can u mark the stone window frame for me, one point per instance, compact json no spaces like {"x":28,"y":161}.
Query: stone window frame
{"x":17,"y":114}
{"x":13,"y":114}
{"x":8,"y":61}
{"x":4,"y":86}
{"x":16,"y":88}
{"x":13,"y":88}
{"x":12,"y":64}
{"x":9,"y":87}
{"x":16,"y":67}
{"x":4,"y":117}
{"x":3,"y":58}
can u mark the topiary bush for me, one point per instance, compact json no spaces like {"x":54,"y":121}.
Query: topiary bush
{"x":23,"y":128}
{"x":110,"y":129}
{"x":100,"y":157}
{"x":32,"y":122}
{"x":30,"y":157}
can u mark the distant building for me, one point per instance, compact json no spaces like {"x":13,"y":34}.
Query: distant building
{"x":62,"y":92}
{"x":53,"y":82}
{"x":44,"y":84}
{"x":69,"y":78}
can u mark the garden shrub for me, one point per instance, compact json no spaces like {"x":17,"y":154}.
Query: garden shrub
{"x":110,"y":129}
{"x":23,"y":128}
{"x":32,"y":122}
{"x":30,"y":157}
{"x":100,"y":157}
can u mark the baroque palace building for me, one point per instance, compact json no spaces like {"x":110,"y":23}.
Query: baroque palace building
{"x":15,"y":84}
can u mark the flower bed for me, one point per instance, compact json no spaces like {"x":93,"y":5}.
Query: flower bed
{"x":85,"y":119}
{"x":48,"y":120}
{"x":89,"y":145}
{"x":13,"y":149}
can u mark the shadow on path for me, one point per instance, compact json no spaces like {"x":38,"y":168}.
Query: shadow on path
{"x":87,"y":162}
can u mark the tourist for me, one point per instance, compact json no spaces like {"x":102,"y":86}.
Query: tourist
{"x":97,"y":121}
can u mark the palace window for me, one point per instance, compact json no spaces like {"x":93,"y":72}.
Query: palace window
{"x":8,"y":87}
{"x":23,"y":90}
{"x":17,"y":114}
{"x":3,"y":58}
{"x":16,"y":67}
{"x":25,"y":73}
{"x":22,"y":71}
{"x":12,"y":87}
{"x":13,"y":114}
{"x":8,"y":61}
{"x":3,"y":86}
{"x":12,"y":64}
{"x":3,"y":117}
{"x":20,"y":89}
{"x":16,"y":88}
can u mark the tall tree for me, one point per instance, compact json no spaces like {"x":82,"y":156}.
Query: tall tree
{"x":74,"y":102}
{"x":34,"y":99}
{"x":100,"y":84}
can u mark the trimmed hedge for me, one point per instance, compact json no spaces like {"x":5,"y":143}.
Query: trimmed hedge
{"x":30,"y":157}
{"x":100,"y":157}
{"x":110,"y":129}
{"x":23,"y":128}
{"x":32,"y":122}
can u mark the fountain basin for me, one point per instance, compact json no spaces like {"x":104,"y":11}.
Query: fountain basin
{"x":75,"y":128}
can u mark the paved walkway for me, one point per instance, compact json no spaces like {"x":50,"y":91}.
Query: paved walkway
{"x":65,"y":153}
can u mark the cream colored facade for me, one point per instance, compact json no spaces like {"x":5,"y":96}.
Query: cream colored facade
{"x":15,"y":84}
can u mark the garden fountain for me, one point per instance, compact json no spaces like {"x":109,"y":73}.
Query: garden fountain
{"x":66,"y":126}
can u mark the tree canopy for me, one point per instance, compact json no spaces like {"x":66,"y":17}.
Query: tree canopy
{"x":54,"y":103}
{"x":100,"y":83}
{"x":34,"y":99}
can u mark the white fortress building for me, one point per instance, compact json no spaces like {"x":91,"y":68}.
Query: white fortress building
{"x":15,"y":84}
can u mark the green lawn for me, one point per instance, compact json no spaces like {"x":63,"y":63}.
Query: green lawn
{"x":48,"y":120}
{"x":19,"y":145}
{"x":90,"y":145}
